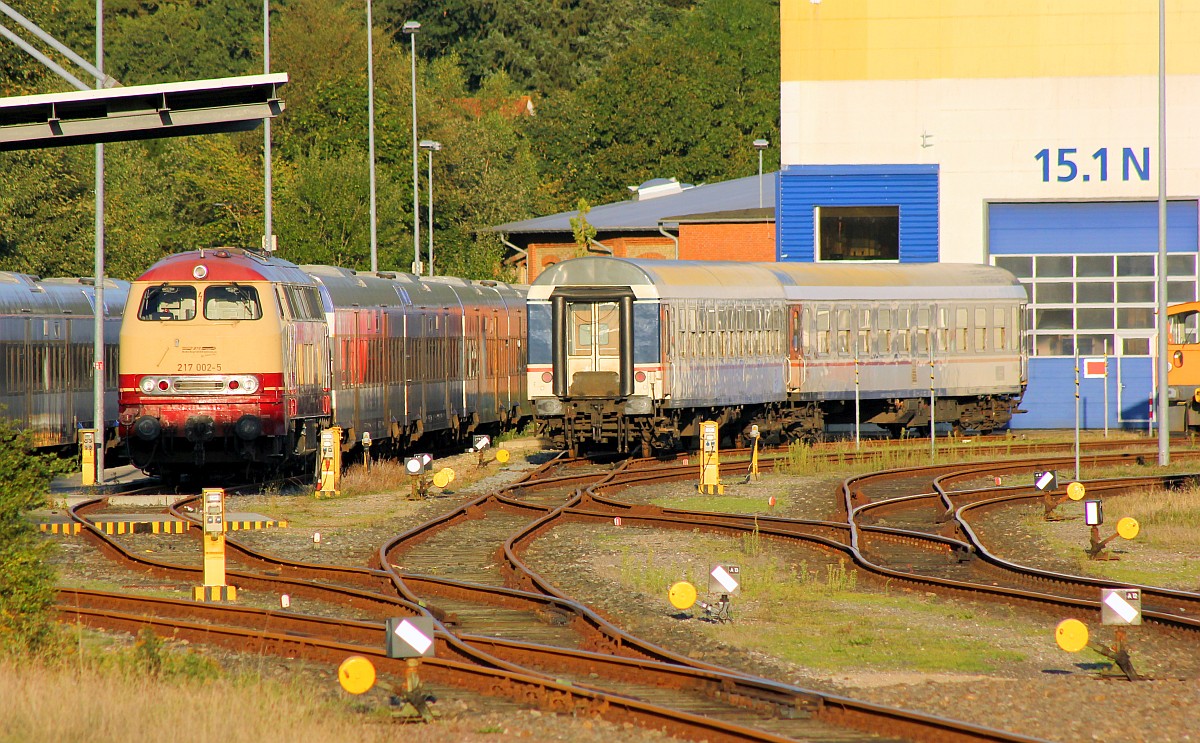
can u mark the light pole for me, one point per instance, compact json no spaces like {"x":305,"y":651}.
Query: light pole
{"x":98,"y":370}
{"x":760,"y":145}
{"x":1164,"y":425}
{"x":430,"y":146}
{"x":411,"y":28}
{"x":268,"y":243}
{"x":371,"y":136}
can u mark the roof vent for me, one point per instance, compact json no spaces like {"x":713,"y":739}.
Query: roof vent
{"x":656,"y":187}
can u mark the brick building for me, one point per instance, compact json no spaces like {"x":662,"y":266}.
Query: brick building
{"x":664,"y":220}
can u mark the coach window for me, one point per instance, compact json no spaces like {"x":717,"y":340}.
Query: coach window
{"x":902,"y":330}
{"x":858,"y":233}
{"x":843,"y":332}
{"x":823,"y":331}
{"x":924,"y":316}
{"x":885,"y":330}
{"x":999,"y":331}
{"x":167,"y":302}
{"x":231,"y":302}
{"x":863,"y":344}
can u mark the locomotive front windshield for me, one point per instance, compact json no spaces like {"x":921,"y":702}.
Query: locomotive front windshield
{"x":168,"y":302}
{"x":174,"y":302}
{"x":231,"y":302}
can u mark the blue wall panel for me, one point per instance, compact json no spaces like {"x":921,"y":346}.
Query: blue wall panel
{"x":1089,"y":227}
{"x":1050,"y":398}
{"x":913,"y":188}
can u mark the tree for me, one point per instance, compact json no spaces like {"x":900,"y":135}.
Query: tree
{"x":542,"y":46}
{"x":684,"y":104}
{"x":582,"y":232}
{"x":27,"y":590}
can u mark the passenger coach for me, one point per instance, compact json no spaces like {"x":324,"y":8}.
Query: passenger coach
{"x":236,"y":361}
{"x":47,"y":347}
{"x":636,"y":353}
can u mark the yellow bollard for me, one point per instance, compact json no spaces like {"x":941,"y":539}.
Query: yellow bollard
{"x":213,"y":511}
{"x":87,"y":451}
{"x":329,"y":469}
{"x":710,"y":460}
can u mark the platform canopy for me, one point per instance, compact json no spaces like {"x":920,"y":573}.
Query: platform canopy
{"x":139,"y":112}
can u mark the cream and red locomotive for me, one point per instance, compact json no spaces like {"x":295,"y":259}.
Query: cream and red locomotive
{"x":236,"y":361}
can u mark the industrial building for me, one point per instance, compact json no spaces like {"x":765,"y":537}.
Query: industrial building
{"x":1022,"y":134}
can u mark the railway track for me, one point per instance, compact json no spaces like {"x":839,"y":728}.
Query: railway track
{"x":465,"y":569}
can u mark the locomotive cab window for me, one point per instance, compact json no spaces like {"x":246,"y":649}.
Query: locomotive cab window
{"x":1184,"y":328}
{"x":231,"y":302}
{"x":168,"y":302}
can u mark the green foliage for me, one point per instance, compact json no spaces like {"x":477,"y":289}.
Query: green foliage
{"x":26,"y":580}
{"x":581,"y":230}
{"x":164,"y":41}
{"x":542,"y":46}
{"x":684,"y":104}
{"x":625,"y":90}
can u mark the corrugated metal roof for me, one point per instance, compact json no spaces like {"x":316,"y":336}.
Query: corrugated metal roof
{"x":633,"y":215}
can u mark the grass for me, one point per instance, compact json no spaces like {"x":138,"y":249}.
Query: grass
{"x":802,"y":459}
{"x":153,"y":691}
{"x":817,"y":616}
{"x":1163,"y":553}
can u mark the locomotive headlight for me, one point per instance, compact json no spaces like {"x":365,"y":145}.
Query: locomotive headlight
{"x":146,"y":385}
{"x":1177,"y":357}
{"x":247,"y":385}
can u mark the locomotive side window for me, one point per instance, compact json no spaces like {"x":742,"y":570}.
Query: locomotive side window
{"x":1184,"y":328}
{"x":168,"y":302}
{"x":231,"y":302}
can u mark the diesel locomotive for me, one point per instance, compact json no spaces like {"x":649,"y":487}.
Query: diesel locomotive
{"x":235,"y":361}
{"x":632,"y":353}
{"x":1183,"y":367}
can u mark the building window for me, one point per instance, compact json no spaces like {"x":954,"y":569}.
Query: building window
{"x":1093,"y":304}
{"x":858,"y":233}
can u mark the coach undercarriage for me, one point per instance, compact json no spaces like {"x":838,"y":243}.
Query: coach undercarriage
{"x":603,"y":424}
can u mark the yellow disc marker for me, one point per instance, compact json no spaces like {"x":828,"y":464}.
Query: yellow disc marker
{"x":1076,"y":491}
{"x":1071,"y":635}
{"x":1128,"y":527}
{"x":441,"y":479}
{"x":682,"y":595}
{"x":502,"y":456}
{"x":356,"y":674}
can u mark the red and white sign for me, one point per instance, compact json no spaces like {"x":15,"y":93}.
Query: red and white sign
{"x":1095,"y":368}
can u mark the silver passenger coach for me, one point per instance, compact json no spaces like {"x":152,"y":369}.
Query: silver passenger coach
{"x":630,"y":352}
{"x":46,"y":351}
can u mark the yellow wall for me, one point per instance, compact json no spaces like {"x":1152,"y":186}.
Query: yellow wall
{"x":937,"y":39}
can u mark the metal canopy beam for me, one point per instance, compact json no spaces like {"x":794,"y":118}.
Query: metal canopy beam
{"x":139,"y":112}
